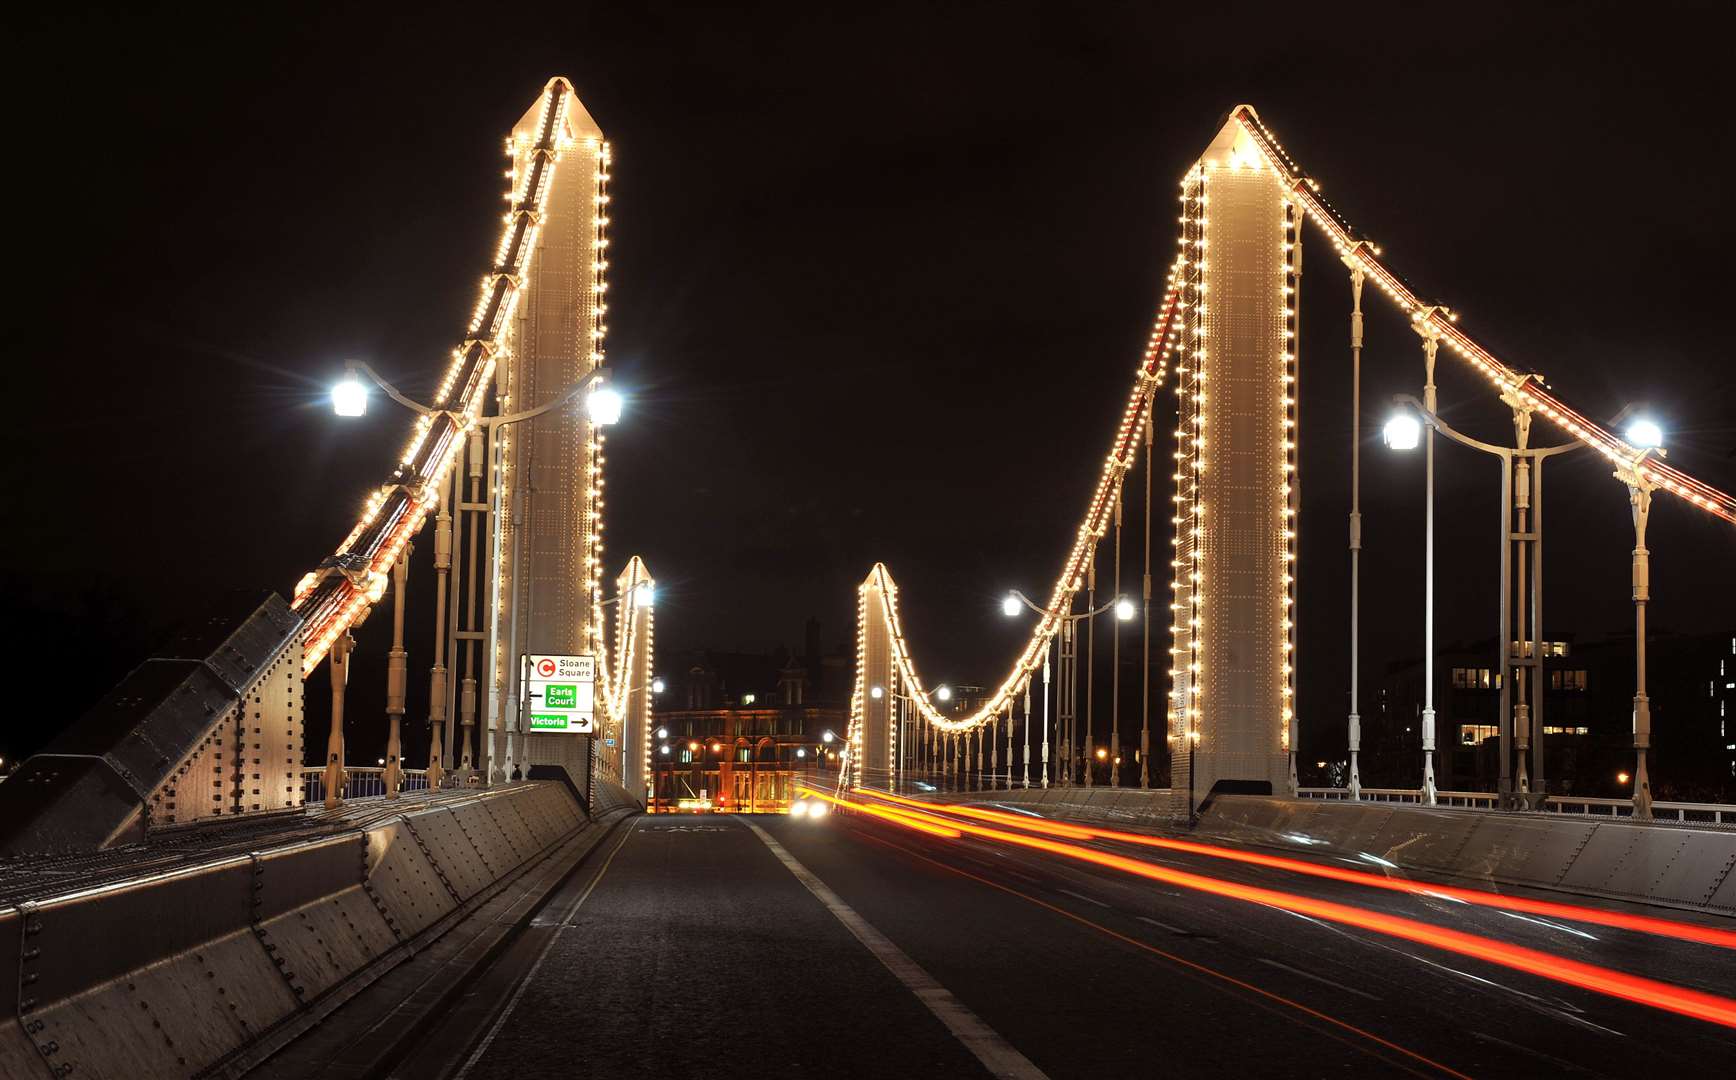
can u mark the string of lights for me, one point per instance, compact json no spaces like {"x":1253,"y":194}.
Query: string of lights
{"x":1527,"y":388}
{"x":340,"y":592}
{"x":1150,"y":374}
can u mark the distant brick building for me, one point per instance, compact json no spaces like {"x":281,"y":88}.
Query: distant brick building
{"x":737,"y":731}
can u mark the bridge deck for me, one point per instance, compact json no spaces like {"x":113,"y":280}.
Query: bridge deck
{"x":692,"y":946}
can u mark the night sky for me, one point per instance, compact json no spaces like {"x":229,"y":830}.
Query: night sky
{"x":879,"y":282}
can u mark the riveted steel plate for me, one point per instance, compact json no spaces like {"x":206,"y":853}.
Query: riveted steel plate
{"x":1422,"y":836}
{"x":18,"y":1056}
{"x":557,"y":804}
{"x":451,"y":851}
{"x":1692,"y":876}
{"x":404,"y":881}
{"x":1522,"y":849}
{"x":11,"y":941}
{"x":88,"y":938}
{"x":288,"y":878}
{"x":322,"y":942}
{"x":485,"y":835}
{"x":1724,"y":892}
{"x":508,"y":816}
{"x":542,"y":818}
{"x":172,"y":1017}
{"x":1633,"y":860}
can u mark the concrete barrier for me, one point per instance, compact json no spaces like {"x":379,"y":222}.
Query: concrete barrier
{"x":1674,"y":865}
{"x":169,"y":974}
{"x":1669,"y":864}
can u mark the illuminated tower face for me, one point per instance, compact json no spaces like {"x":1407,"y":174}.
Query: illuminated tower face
{"x":550,"y":554}
{"x":1234,"y":589}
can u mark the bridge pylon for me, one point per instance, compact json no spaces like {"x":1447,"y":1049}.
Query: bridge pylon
{"x":1233,"y":702}
{"x":873,"y":742}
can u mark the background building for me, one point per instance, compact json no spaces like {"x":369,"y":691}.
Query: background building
{"x":736,"y":731}
{"x":1587,"y":717}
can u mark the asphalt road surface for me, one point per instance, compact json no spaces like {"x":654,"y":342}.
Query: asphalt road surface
{"x":736,"y":946}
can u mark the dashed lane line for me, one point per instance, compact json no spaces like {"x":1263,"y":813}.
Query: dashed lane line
{"x":996,"y":1054}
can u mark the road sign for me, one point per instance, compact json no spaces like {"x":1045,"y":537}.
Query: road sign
{"x":560,"y":694}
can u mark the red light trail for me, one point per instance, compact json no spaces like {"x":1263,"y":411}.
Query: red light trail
{"x":1645,"y":924}
{"x":1635,"y":988}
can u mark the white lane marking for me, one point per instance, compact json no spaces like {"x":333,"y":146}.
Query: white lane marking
{"x":1550,"y":925}
{"x":1317,"y":978}
{"x":1564,"y":1066}
{"x":1082,"y":896}
{"x":1165,"y":926}
{"x":996,"y":1054}
{"x":524,"y":984}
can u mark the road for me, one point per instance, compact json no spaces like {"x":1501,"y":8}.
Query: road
{"x":761,"y":946}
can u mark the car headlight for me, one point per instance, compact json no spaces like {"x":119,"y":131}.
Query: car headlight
{"x":797,"y":809}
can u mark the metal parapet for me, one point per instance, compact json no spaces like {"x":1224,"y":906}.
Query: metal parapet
{"x":209,"y":726}
{"x":201,"y":970}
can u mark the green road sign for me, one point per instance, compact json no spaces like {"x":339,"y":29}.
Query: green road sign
{"x":549,"y":721}
{"x":560,"y":696}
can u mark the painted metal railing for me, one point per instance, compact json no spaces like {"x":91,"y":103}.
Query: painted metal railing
{"x":359,"y":783}
{"x":1691,"y":812}
{"x":1481,"y":799}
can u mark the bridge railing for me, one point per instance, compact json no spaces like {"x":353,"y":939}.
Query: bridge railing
{"x":1482,"y":799}
{"x":359,"y":783}
{"x":1703,"y":813}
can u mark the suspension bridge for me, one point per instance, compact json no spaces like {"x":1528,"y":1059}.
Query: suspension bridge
{"x":194,"y":885}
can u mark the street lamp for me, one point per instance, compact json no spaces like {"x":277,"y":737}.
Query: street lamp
{"x":1645,"y":434}
{"x":877,"y":692}
{"x":1067,"y":661}
{"x":350,"y":396}
{"x":1010,"y":605}
{"x":604,"y":406}
{"x":1648,"y":438}
{"x":657,"y":685}
{"x":1402,"y":432}
{"x":1521,"y":495}
{"x":944,"y":693}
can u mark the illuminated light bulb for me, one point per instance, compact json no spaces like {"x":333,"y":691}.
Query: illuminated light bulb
{"x":1010,"y":606}
{"x":604,"y":405}
{"x":350,"y":396}
{"x":1645,"y":434}
{"x":1402,"y":432}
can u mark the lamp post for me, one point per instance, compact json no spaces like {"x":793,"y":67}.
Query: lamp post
{"x":1521,"y":496}
{"x":1649,"y":438}
{"x":349,"y":399}
{"x":1125,"y":610}
{"x":1354,"y":725}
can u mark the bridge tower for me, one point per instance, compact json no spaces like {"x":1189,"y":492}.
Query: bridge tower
{"x":547,"y":551}
{"x":1232,"y":709}
{"x":874,"y":743}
